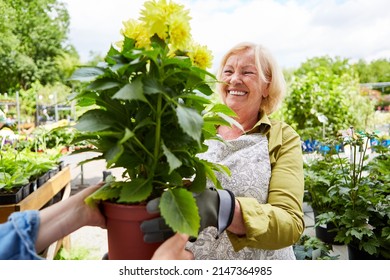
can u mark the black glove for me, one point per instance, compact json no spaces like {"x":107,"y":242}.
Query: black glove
{"x":216,"y":208}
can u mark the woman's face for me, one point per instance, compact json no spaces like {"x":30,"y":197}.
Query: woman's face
{"x":243,"y":90}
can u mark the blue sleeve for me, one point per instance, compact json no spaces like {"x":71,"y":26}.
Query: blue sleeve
{"x":18,"y":236}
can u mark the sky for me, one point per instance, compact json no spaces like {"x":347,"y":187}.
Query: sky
{"x":293,"y":30}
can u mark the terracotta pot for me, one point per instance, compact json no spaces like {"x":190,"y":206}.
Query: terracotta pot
{"x":125,"y":239}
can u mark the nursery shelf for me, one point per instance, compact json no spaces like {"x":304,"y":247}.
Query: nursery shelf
{"x":38,"y":199}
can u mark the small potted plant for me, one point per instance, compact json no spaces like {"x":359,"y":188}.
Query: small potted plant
{"x":320,"y":175}
{"x":152,"y":112}
{"x":312,"y":248}
{"x":362,"y":219}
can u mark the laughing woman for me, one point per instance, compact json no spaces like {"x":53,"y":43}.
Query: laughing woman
{"x":265,"y":159}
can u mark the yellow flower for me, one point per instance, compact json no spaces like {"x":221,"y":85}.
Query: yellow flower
{"x":173,"y":8}
{"x":154,"y":17}
{"x":200,"y":56}
{"x":136,"y":30}
{"x":179,"y":31}
{"x":167,"y":20}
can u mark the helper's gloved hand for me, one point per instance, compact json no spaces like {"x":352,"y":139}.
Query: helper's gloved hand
{"x":216,"y":208}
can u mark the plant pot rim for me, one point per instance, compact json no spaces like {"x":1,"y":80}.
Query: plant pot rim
{"x":112,"y":209}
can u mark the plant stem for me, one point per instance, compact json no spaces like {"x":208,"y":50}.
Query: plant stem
{"x":158,"y":132}
{"x":342,"y":169}
{"x":143,"y":147}
{"x":361,"y":164}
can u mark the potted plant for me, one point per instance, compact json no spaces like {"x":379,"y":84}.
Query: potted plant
{"x":362,"y":222}
{"x":19,"y":170}
{"x":151,"y":113}
{"x":312,"y":248}
{"x":320,"y":175}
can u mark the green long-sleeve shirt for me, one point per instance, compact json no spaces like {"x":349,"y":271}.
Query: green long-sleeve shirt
{"x":278,"y":223}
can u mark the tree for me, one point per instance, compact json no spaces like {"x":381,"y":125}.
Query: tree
{"x":376,"y":71}
{"x":33,"y":43}
{"x":325,"y":87}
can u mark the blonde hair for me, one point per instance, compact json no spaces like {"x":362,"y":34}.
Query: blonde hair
{"x":269,"y":72}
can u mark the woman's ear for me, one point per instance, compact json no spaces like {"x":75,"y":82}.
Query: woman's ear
{"x":265,"y":92}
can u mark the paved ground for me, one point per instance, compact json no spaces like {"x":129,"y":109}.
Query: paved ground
{"x":94,"y":240}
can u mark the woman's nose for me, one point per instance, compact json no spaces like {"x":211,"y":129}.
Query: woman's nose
{"x":235,"y":78}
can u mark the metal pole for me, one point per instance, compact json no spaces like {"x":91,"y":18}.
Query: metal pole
{"x":55,"y":106}
{"x":323,"y":130}
{"x":18,"y":110}
{"x":36,"y":110}
{"x":82,"y":174}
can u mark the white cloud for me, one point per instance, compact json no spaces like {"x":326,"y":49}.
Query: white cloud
{"x":293,"y":30}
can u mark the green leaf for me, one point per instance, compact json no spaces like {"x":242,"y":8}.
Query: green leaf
{"x":173,"y":161}
{"x":106,"y":192}
{"x":85,"y":102}
{"x":190,"y":121}
{"x":86,"y":74}
{"x":210,"y":168}
{"x":151,"y":86}
{"x":205,"y":88}
{"x":128,"y":134}
{"x":222,"y":108}
{"x":215,"y":121}
{"x":132,"y":91}
{"x":113,"y":154}
{"x":230,"y":120}
{"x":199,"y":183}
{"x":371,"y":246}
{"x":136,"y":190}
{"x":103,"y":84}
{"x":94,"y":120}
{"x":198,"y":98}
{"x":178,"y":207}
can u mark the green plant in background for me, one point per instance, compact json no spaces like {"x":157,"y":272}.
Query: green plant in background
{"x":321,"y":174}
{"x":19,"y":164}
{"x":11,"y":175}
{"x":330,"y":87}
{"x":152,"y":114}
{"x":362,"y":220}
{"x":78,"y":253}
{"x":56,"y":137}
{"x":311,"y":248}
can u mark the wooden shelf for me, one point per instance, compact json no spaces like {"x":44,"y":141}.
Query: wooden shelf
{"x":39,"y":198}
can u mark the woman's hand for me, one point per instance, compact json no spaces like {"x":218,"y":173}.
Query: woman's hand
{"x":92,"y":215}
{"x":174,"y":249}
{"x":66,"y":216}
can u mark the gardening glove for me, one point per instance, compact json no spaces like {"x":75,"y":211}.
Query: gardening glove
{"x":216,"y":209}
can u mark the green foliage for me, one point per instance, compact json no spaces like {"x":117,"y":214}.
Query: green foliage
{"x":328,"y":87}
{"x":78,"y":253}
{"x":40,"y":95}
{"x":374,"y":72}
{"x":48,"y":139}
{"x":318,"y":182}
{"x":360,"y":200}
{"x":180,"y":204}
{"x":311,"y":248}
{"x":33,"y":43}
{"x":19,"y":166}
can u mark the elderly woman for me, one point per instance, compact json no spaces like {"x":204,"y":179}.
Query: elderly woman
{"x":265,"y":159}
{"x":259,"y":214}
